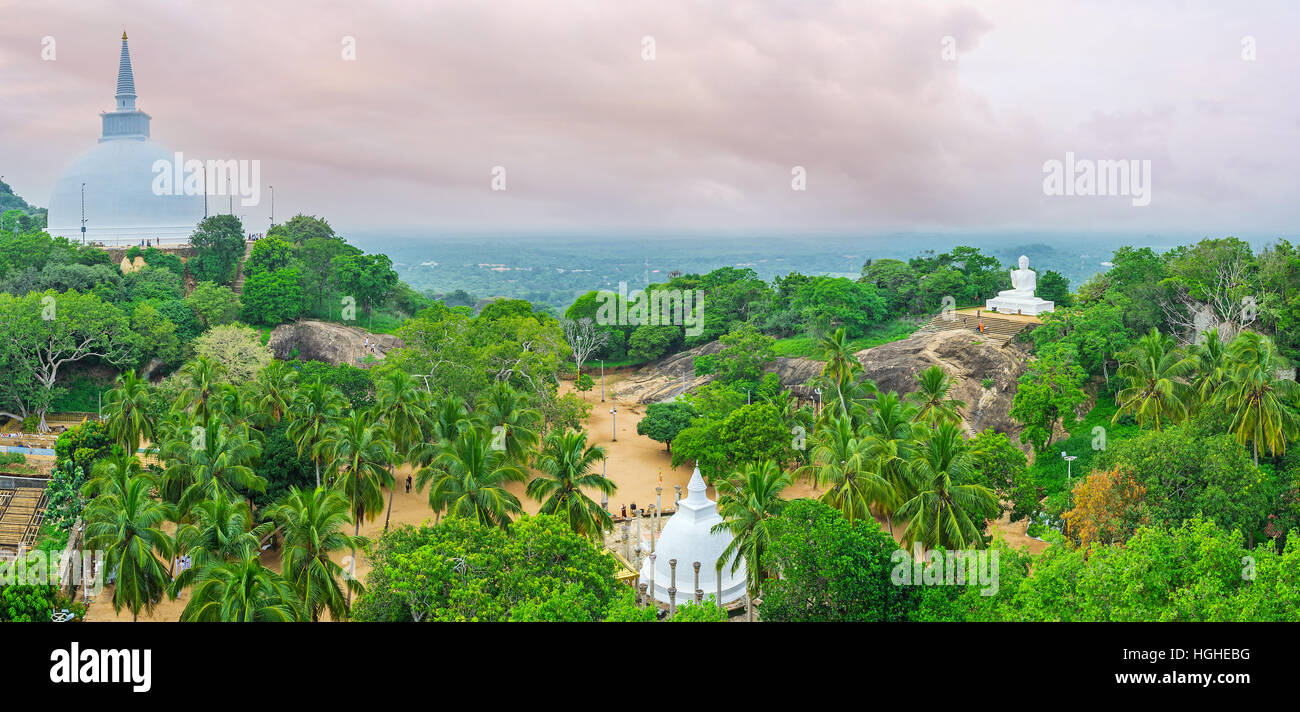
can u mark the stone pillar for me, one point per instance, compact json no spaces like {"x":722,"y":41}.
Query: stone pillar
{"x":637,"y":513}
{"x":652,"y":579}
{"x":659,"y":505}
{"x":641,"y":598}
{"x":719,"y":599}
{"x":678,"y":495}
{"x":672,"y":589}
{"x":697,"y":581}
{"x":627,"y":541}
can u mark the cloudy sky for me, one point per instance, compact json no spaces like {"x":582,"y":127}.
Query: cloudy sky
{"x":905,"y":115}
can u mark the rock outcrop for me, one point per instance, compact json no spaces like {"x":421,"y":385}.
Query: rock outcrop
{"x":963,"y":354}
{"x":312,"y":340}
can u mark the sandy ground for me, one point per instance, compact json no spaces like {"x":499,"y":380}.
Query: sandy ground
{"x":634,"y":463}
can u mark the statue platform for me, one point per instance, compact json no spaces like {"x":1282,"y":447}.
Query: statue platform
{"x":1014,"y":304}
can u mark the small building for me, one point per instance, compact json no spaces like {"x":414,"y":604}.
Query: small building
{"x":688,"y":537}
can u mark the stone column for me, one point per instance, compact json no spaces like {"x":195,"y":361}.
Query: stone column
{"x":627,"y":541}
{"x":652,"y":579}
{"x":719,"y":568}
{"x":641,"y":598}
{"x":697,"y":581}
{"x":672,"y":589}
{"x":678,"y":495}
{"x":637,"y":513}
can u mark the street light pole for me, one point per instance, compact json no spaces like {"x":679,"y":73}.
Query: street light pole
{"x":83,"y":214}
{"x":272,"y":206}
{"x":1069,"y":464}
{"x":613,"y":417}
{"x":602,"y":380}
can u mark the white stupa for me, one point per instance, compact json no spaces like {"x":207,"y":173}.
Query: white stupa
{"x":121,"y":205}
{"x":688,"y":538}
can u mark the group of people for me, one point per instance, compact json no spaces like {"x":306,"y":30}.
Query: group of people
{"x":183,"y":562}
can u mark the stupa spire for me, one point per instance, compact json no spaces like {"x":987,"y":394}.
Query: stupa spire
{"x":125,"y":80}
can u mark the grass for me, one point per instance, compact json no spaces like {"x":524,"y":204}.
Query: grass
{"x":1050,"y":469}
{"x":806,"y":346}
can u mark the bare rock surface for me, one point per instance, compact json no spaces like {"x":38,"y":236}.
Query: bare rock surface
{"x":965,"y":355}
{"x":329,"y":342}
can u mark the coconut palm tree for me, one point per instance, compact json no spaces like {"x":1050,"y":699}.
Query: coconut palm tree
{"x":315,"y":407}
{"x":841,"y":365}
{"x":468,"y":479}
{"x":749,"y":502}
{"x":313,"y":526}
{"x":1212,"y":366}
{"x":840,"y":463}
{"x":360,"y":453}
{"x":214,"y":458}
{"x":219,"y":529}
{"x":504,"y":407}
{"x":126,"y":408}
{"x":113,"y":474}
{"x":1156,"y":394}
{"x":401,"y":403}
{"x":890,"y":434}
{"x":567,"y":463}
{"x":1257,"y":398}
{"x":201,"y":388}
{"x":934,"y":405}
{"x":127,"y":525}
{"x":241,"y":591}
{"x":945,"y":514}
{"x":272,"y":392}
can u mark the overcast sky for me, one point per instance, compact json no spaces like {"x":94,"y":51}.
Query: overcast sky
{"x":892,"y":135}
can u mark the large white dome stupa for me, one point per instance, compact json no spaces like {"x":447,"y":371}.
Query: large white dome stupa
{"x":120,"y":201}
{"x":688,"y":537}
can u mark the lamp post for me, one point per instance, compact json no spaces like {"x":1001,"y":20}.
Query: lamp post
{"x":613,"y":417}
{"x":272,"y":207}
{"x":602,"y":380}
{"x":818,"y":407}
{"x":1069,"y":460}
{"x":83,"y":213}
{"x":604,"y":496}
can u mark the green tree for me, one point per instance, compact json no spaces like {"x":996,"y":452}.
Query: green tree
{"x":218,"y":243}
{"x":745,"y":351}
{"x":126,"y":410}
{"x":566,"y":463}
{"x":934,"y":403}
{"x":242,"y":592}
{"x":400,"y":402}
{"x":214,"y":304}
{"x":945,"y":514}
{"x":360,"y":453}
{"x":749,"y":503}
{"x":315,"y":407}
{"x":1258,"y":399}
{"x":1154,"y":369}
{"x":272,"y":297}
{"x":468,"y":479}
{"x":831,"y":569}
{"x":127,"y":526}
{"x":663,"y":421}
{"x":313,"y":526}
{"x":1046,"y":393}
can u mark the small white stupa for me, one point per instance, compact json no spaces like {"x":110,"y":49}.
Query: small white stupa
{"x":688,"y":538}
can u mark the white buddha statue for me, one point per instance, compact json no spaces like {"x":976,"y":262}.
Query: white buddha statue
{"x":1020,"y":299}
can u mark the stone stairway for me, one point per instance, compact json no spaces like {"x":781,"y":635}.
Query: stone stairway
{"x":997,"y":329}
{"x":238,"y":285}
{"x":21,"y":512}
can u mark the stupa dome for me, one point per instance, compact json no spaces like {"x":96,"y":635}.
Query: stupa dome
{"x":121,"y":203}
{"x":688,"y":537}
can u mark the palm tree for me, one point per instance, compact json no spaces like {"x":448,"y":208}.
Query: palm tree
{"x":1213,"y":365}
{"x":201,"y":387}
{"x":220,"y":529}
{"x":315,"y":407}
{"x":1256,"y":397}
{"x":126,"y":408}
{"x":113,"y":474}
{"x":212,"y":459}
{"x":945,"y":514}
{"x":566,"y":462}
{"x":1155,"y":394}
{"x":360,"y":453}
{"x":242,"y":591}
{"x":841,"y":365}
{"x":840,"y":463}
{"x":469,"y":478}
{"x":503,"y":406}
{"x":400,"y":402}
{"x":127,"y":525}
{"x":273,"y":391}
{"x":749,"y":503}
{"x":890,"y":433}
{"x":313,"y":523}
{"x":934,"y":406}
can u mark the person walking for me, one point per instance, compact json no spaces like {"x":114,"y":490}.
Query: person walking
{"x":408,"y":484}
